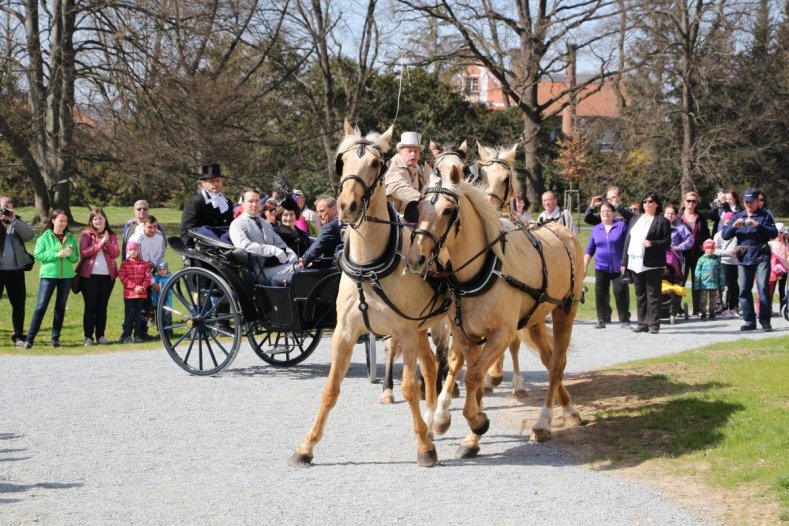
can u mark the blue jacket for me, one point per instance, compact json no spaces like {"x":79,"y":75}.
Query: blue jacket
{"x":752,"y":237}
{"x":325,"y":245}
{"x":607,"y":248}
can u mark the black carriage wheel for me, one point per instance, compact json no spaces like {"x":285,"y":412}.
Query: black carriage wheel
{"x":283,"y":349}
{"x":201,"y":325}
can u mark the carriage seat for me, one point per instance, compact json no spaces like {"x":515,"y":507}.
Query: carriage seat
{"x":218,"y":239}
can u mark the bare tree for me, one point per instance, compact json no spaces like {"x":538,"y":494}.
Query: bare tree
{"x":522,"y":43}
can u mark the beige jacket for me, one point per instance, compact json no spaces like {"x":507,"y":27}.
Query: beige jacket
{"x":403,"y":184}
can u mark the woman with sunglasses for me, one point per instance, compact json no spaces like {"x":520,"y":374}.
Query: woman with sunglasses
{"x":697,"y":224}
{"x":648,"y":238}
{"x":270,"y":212}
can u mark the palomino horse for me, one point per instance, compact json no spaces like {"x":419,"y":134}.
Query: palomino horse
{"x":504,"y":282}
{"x":375,"y":295}
{"x":496,"y":178}
{"x":501,"y":186}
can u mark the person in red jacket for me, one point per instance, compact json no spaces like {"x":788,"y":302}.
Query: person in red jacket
{"x":135,"y":276}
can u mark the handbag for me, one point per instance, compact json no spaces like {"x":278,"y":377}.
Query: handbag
{"x":75,"y":284}
{"x":627,"y":277}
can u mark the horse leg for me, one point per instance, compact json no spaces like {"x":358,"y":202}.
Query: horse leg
{"x":429,"y":369}
{"x":342,"y":347}
{"x":442,"y":417}
{"x":440,"y":335}
{"x":426,"y":451}
{"x":481,"y":358}
{"x":518,"y":389}
{"x":562,"y":331}
{"x":387,"y":397}
{"x":494,"y":375}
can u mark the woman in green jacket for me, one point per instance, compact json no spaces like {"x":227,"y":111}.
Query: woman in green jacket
{"x":57,"y":251}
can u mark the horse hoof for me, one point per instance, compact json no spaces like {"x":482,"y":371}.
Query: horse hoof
{"x":481,"y":430}
{"x":467,"y":452}
{"x":299,"y":459}
{"x":456,"y":391}
{"x":495,"y":381}
{"x":441,"y":427}
{"x":488,"y":390}
{"x":386,"y":399}
{"x":540,"y":435}
{"x":428,"y":459}
{"x":572,"y":420}
{"x":520,"y":394}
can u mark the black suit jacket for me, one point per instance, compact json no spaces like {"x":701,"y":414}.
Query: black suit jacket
{"x":659,"y":234}
{"x":199,"y":213}
{"x":328,"y":240}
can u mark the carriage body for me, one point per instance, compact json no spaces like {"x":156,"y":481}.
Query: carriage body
{"x":206,"y":309}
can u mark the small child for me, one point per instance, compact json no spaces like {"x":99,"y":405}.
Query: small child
{"x":135,"y":276}
{"x":709,"y":278}
{"x":160,"y":279}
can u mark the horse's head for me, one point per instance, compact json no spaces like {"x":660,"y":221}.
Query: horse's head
{"x":360,"y":165}
{"x":439,"y":220}
{"x":447,"y":155}
{"x":498,"y":178}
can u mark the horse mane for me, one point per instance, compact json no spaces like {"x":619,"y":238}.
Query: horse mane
{"x":487,"y":213}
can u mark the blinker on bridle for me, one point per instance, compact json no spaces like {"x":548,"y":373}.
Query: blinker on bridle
{"x":438,"y":242}
{"x":361,"y":148}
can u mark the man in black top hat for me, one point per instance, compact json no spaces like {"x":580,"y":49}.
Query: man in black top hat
{"x":208,"y":208}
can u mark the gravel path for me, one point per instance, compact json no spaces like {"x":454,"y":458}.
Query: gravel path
{"x":129,"y":438}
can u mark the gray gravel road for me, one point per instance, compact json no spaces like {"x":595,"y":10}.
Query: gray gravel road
{"x":129,"y":438}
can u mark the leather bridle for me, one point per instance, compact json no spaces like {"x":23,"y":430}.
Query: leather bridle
{"x":361,"y":147}
{"x":502,"y":200}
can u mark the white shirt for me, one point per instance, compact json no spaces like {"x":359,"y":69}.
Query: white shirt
{"x":635,"y":250}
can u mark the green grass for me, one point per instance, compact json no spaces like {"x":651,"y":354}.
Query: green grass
{"x":720,"y":412}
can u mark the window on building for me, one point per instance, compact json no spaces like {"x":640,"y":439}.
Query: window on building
{"x":472,"y":85}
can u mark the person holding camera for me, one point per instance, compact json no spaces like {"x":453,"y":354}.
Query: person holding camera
{"x":613,"y":196}
{"x":753,"y":227}
{"x":14,"y":261}
{"x":58,"y":253}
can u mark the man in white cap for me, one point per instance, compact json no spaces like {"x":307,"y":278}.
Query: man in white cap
{"x":404,"y":178}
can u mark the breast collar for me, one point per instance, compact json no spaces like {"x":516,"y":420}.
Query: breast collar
{"x":385,"y":264}
{"x":481,"y":282}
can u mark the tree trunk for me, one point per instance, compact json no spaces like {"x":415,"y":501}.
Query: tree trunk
{"x":532,"y":148}
{"x":688,"y":140}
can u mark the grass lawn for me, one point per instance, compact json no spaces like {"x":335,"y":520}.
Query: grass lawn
{"x":719,"y":414}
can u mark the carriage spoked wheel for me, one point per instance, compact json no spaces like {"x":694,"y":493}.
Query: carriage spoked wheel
{"x":283,"y":348}
{"x":201,"y":327}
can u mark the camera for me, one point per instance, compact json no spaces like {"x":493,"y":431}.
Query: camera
{"x":6,"y":212}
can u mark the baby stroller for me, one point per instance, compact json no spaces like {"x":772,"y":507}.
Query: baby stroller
{"x":673,"y":290}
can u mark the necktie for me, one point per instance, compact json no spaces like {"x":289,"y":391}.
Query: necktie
{"x":257,"y":222}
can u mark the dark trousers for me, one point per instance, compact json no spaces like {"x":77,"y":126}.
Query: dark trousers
{"x":96,"y":291}
{"x":13,"y":282}
{"x":647,"y":287}
{"x":47,"y":287}
{"x":733,"y":294}
{"x":782,"y":291}
{"x":690,"y":269}
{"x":133,"y":317}
{"x":604,"y":281}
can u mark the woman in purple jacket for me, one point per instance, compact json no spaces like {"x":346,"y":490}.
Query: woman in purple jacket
{"x":607,"y":244}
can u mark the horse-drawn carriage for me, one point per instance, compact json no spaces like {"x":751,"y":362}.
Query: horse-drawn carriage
{"x":207,"y":308}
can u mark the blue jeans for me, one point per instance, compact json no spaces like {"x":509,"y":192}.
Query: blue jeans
{"x":46,"y":287}
{"x":745,"y":277}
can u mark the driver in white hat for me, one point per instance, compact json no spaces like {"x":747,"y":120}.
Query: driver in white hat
{"x":404,"y":178}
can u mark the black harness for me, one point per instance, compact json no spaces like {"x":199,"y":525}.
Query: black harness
{"x":505,"y":198}
{"x":491,"y":268}
{"x":384,"y":265}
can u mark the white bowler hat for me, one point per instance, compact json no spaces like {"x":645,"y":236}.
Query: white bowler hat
{"x":410,"y":139}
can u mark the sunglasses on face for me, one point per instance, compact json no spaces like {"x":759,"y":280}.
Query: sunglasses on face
{"x":691,"y":201}
{"x":646,"y":201}
{"x":142,"y":209}
{"x":269,"y":209}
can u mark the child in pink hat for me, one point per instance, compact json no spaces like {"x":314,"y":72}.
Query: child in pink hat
{"x":135,"y":276}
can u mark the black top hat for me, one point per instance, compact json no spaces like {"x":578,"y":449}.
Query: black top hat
{"x":210,"y":171}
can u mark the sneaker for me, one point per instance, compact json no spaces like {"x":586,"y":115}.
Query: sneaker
{"x":600,"y":325}
{"x":20,"y":344}
{"x":27,"y":345}
{"x":712,"y":316}
{"x":640,"y":328}
{"x":127,"y":339}
{"x":88,"y":342}
{"x":624,"y":324}
{"x":703,"y":317}
{"x":103,"y":341}
{"x":54,"y":343}
{"x":748,"y":328}
{"x":138,"y":340}
{"x":766,"y":327}
{"x":654,"y":330}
